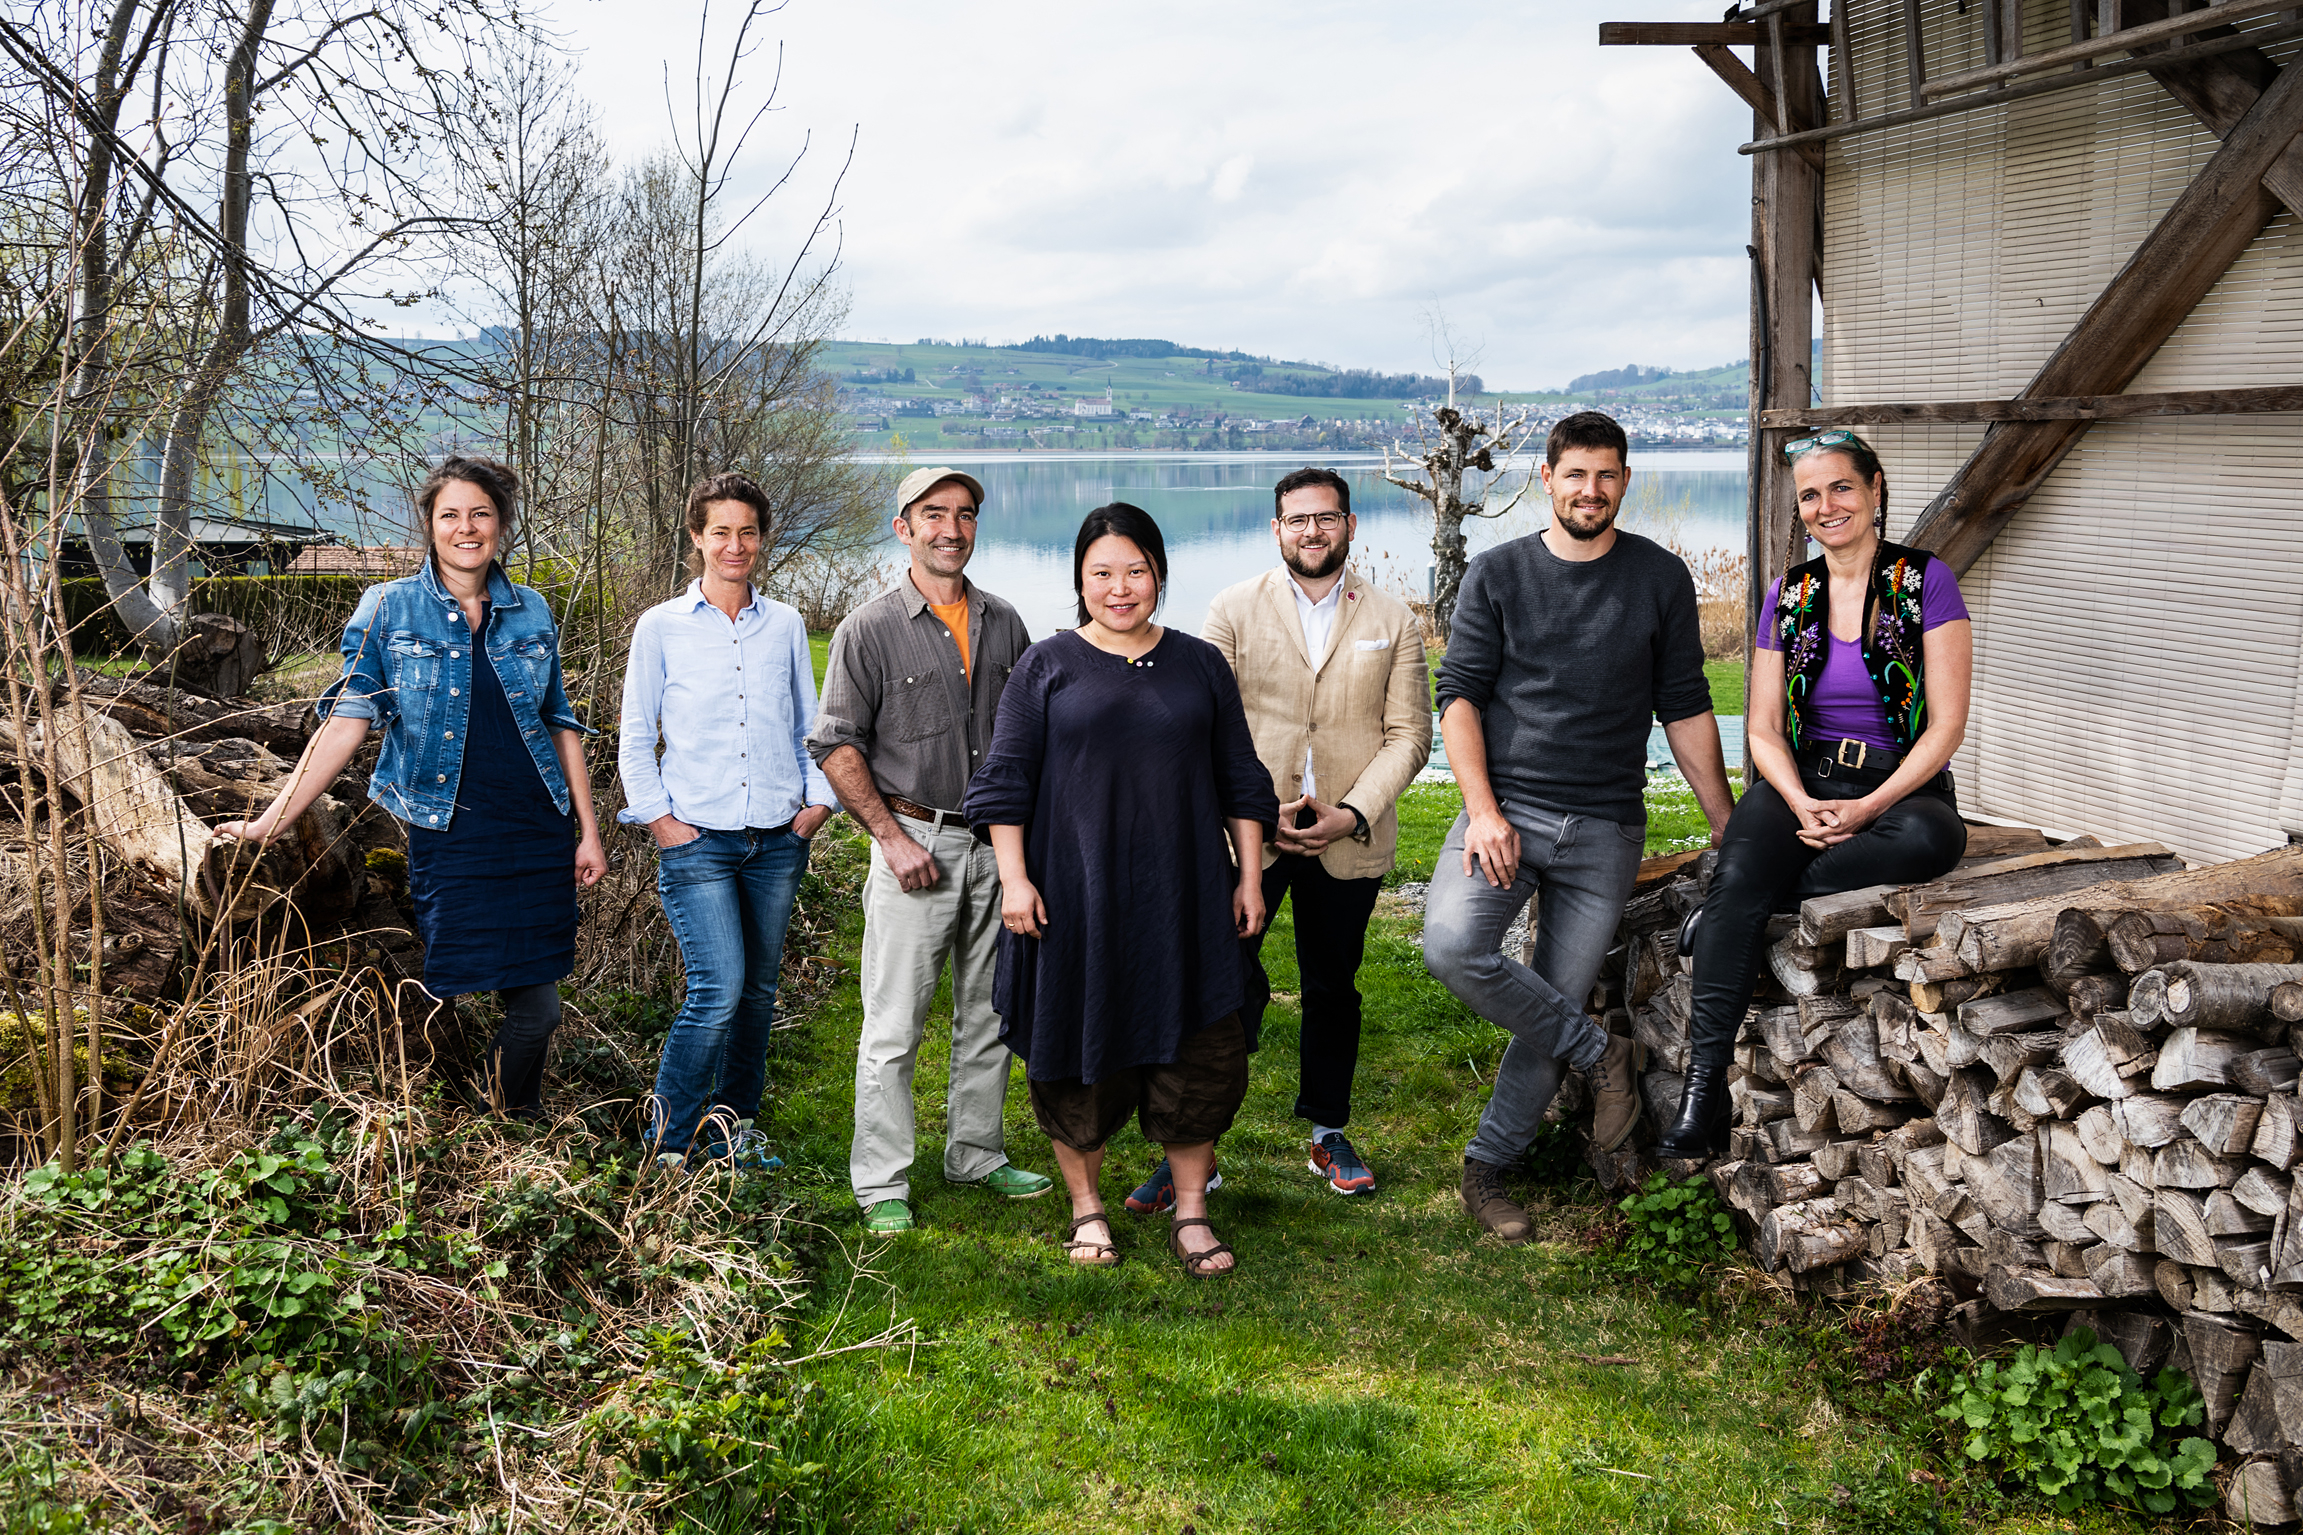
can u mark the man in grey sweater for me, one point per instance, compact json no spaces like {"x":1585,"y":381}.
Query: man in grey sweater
{"x":1565,"y":644}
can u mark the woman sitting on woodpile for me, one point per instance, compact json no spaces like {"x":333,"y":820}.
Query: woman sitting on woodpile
{"x":1859,"y":686}
{"x":1120,"y":758}
{"x":483,"y":764}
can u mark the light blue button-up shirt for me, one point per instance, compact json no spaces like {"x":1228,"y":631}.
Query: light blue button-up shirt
{"x":732,"y":702}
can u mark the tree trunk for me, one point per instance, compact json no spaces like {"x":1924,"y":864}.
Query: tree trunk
{"x":91,"y":384}
{"x":171,"y":580}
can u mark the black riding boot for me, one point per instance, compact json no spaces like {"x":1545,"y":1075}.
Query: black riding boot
{"x":1699,"y":1131}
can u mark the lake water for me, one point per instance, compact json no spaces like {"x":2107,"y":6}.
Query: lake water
{"x":1215,"y":513}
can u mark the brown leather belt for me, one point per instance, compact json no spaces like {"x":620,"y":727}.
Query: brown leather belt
{"x":919,"y":812}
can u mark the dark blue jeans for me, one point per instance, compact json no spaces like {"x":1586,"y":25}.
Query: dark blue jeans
{"x":728,"y":896}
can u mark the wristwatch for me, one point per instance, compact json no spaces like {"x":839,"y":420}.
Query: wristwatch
{"x":1359,"y":831}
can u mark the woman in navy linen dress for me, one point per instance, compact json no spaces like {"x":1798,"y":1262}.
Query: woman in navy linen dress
{"x":1120,"y":760}
{"x":482,"y":759}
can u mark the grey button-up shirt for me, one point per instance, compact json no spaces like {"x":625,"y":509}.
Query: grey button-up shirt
{"x":894,"y":690}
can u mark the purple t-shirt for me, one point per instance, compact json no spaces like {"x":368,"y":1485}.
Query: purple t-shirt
{"x":1844,"y":705}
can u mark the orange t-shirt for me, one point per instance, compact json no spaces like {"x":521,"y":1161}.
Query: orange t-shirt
{"x":955,"y":617}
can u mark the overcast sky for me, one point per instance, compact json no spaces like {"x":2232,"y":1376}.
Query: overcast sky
{"x":1302,"y":180}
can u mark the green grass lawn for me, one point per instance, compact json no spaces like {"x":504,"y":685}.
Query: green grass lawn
{"x":1726,"y":679}
{"x":1374,"y":1365}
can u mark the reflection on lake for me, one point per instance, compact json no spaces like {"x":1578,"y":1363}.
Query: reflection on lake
{"x":1215,"y":511}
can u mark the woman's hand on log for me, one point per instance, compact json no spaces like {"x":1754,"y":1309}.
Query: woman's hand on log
{"x":1247,"y":909}
{"x":259,"y":831}
{"x":1021,"y":910}
{"x":591,"y":859}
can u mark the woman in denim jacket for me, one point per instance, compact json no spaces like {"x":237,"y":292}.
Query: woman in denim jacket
{"x":484,"y":765}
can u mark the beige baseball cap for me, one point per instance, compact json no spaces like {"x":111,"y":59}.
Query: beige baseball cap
{"x":920,"y":481}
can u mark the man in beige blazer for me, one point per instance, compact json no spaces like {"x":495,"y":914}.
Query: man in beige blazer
{"x":1332,"y":673}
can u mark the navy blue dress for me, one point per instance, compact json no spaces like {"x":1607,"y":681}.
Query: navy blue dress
{"x":495,"y":890}
{"x":1121,"y":774}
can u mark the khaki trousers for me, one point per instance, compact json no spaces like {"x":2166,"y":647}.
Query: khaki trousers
{"x":907,"y":937}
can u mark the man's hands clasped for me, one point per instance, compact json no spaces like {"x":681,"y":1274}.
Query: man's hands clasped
{"x":1333,"y":824}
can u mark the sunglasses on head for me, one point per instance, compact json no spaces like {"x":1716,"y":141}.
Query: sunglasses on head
{"x":1799,"y":445}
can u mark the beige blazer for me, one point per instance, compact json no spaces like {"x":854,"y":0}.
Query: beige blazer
{"x":1364,"y":708}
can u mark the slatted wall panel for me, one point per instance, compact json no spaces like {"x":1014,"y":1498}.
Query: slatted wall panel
{"x":2139,"y":624}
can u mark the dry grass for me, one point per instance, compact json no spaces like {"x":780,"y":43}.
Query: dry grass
{"x":527,"y":1282}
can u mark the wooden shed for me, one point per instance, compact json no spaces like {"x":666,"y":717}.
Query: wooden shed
{"x":2061,"y":279}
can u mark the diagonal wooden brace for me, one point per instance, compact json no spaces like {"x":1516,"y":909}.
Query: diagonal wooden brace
{"x":1754,"y":92}
{"x":2215,"y":219}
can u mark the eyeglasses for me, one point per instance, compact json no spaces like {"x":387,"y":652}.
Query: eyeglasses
{"x":1801,"y":445}
{"x":1326,"y":522}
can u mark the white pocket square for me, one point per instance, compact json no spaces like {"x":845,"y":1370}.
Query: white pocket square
{"x":1371,"y":644}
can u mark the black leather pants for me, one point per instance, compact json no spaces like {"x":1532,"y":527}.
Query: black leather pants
{"x":1764,"y":868}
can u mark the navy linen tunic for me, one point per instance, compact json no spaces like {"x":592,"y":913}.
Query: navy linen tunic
{"x":495,"y":890}
{"x":1121,"y":774}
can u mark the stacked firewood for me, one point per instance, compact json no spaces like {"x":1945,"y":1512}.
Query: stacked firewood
{"x":2061,"y":1079}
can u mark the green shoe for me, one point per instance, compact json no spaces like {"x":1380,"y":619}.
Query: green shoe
{"x":887,"y":1218}
{"x":1011,"y":1182}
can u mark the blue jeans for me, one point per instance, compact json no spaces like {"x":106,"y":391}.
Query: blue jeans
{"x":728,"y":896}
{"x":1580,"y":870}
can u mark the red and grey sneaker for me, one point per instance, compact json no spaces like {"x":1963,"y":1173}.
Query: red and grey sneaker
{"x":1333,"y":1159}
{"x":1157,"y":1192}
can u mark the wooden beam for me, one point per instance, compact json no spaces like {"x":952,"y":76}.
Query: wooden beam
{"x":2093,"y":407}
{"x":2126,"y":40}
{"x":1786,"y":197}
{"x":2221,"y":89}
{"x":1686,"y":34}
{"x":1751,"y":88}
{"x":2215,"y":219}
{"x":1914,"y":53}
{"x":1844,"y":52}
{"x":2153,"y":63}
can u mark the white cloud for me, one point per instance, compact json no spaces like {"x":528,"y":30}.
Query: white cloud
{"x":1301,"y":180}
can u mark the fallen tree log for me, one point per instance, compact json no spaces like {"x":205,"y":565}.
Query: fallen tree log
{"x":149,"y":709}
{"x":139,"y":815}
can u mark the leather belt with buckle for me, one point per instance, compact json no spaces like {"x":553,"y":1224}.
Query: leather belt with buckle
{"x":1851,"y":753}
{"x":920,"y":812}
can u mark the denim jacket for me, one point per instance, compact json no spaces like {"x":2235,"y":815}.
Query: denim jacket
{"x":408,"y":669}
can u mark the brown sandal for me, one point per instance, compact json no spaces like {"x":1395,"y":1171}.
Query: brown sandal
{"x":1104,"y":1255}
{"x":1195,"y":1264}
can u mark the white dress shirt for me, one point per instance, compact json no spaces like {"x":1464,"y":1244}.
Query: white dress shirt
{"x":1318,"y":620}
{"x":732,"y":700}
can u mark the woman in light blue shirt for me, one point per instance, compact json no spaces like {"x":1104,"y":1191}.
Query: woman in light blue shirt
{"x":722,"y":678}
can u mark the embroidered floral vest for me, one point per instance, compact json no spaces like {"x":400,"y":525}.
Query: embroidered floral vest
{"x":1892,"y":644}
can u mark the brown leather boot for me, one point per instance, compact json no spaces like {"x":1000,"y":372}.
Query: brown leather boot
{"x":1486,"y":1202}
{"x":1615,"y":1092}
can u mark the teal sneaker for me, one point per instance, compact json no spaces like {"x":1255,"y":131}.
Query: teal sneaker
{"x":748,"y":1152}
{"x":887,"y":1218}
{"x":1011,"y":1182}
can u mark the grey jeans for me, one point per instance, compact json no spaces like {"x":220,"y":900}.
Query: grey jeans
{"x":1580,"y":870}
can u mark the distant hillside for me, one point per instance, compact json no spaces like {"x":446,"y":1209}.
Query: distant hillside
{"x":1617,"y":378}
{"x":1092,"y":346}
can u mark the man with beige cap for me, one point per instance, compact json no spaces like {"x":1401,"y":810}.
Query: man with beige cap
{"x":908,"y":703}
